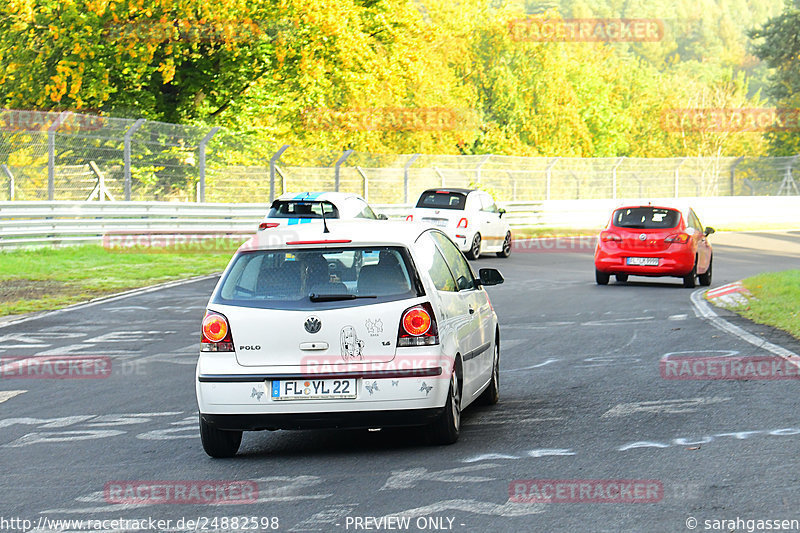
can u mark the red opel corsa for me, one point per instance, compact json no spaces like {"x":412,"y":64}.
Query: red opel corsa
{"x":654,"y":241}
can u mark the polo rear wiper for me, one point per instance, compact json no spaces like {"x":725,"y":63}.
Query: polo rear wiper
{"x":336,"y":297}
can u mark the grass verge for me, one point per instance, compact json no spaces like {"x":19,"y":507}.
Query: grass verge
{"x":49,"y":278}
{"x":775,"y":301}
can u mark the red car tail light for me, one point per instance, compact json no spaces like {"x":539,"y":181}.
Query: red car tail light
{"x":410,"y":218}
{"x":418,"y":327}
{"x":463,"y":223}
{"x":680,"y":238}
{"x":606,"y":236}
{"x":216,"y":334}
{"x":268,"y":225}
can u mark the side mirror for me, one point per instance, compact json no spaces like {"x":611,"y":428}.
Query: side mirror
{"x":502,"y":212}
{"x":490,"y":276}
{"x":709,"y":230}
{"x":381,"y":216}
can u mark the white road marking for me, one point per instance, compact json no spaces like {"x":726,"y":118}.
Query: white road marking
{"x":538,"y":365}
{"x":507,"y":509}
{"x":687,"y":405}
{"x":410,"y":478}
{"x":703,"y":310}
{"x":331,"y":515}
{"x":678,"y":317}
{"x":8,"y":394}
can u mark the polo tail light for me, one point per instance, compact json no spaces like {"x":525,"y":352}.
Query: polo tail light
{"x":463,"y":223}
{"x":216,"y":333}
{"x":268,"y":225}
{"x":410,"y":218}
{"x":418,"y":327}
{"x":607,"y":236}
{"x":680,"y":238}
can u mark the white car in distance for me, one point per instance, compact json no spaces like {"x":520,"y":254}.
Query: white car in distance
{"x":469,"y":216}
{"x":368,"y":325}
{"x":301,"y":208}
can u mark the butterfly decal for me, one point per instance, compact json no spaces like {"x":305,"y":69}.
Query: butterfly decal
{"x":257,"y":394}
{"x":426,"y":388}
{"x":371,"y":388}
{"x":395,"y":383}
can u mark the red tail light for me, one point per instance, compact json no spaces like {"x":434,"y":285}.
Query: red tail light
{"x":418,"y":327}
{"x":267,"y":225}
{"x":463,"y":223}
{"x":680,"y":238}
{"x":606,"y":236}
{"x":216,"y":334}
{"x":410,"y":218}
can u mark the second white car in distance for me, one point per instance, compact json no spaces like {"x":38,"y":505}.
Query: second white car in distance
{"x":294,"y":208}
{"x":470,"y":218}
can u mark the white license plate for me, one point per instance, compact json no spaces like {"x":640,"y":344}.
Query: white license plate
{"x":441,"y":222}
{"x":643,"y":261}
{"x":314,"y":389}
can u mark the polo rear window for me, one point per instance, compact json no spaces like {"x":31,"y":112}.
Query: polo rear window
{"x":646,"y":218}
{"x":442,"y":200}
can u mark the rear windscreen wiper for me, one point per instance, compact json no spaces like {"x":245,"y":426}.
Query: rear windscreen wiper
{"x":335,"y":297}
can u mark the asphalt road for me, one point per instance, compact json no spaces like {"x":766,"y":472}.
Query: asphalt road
{"x":582,"y":398}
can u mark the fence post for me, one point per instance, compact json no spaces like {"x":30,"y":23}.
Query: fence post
{"x":202,"y":165}
{"x":272,"y":162}
{"x":364,"y":183}
{"x":478,"y":169}
{"x":405,"y":176}
{"x":733,"y":174}
{"x":8,"y":173}
{"x":341,"y":160}
{"x":51,"y":153}
{"x":127,"y":156}
{"x":677,"y":175}
{"x":614,"y":177}
{"x":548,"y":175}
{"x":788,"y":182}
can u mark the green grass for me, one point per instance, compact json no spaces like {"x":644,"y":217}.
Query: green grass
{"x":776,"y":300}
{"x":50,"y":278}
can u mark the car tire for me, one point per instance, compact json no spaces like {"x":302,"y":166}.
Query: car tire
{"x":690,"y":279}
{"x":218,"y":443}
{"x":705,"y":279}
{"x":475,"y":249}
{"x":492,"y":393}
{"x":446,"y":428}
{"x":601,"y":277}
{"x":506,"y":251}
{"x":621,"y":278}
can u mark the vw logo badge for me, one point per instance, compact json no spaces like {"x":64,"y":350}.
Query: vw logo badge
{"x":313,"y":324}
{"x":642,"y":236}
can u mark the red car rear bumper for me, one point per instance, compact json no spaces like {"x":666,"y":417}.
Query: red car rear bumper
{"x":671,"y":262}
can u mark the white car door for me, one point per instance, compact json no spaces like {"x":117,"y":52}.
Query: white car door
{"x":495,"y":232}
{"x":476,"y":350}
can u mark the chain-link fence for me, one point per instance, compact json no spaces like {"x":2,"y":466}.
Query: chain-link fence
{"x":68,"y":156}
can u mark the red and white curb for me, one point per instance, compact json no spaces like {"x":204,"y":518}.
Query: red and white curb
{"x":730,"y":296}
{"x":704,"y":310}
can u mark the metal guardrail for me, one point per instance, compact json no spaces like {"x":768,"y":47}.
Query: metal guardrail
{"x":66,"y":222}
{"x":61,"y":223}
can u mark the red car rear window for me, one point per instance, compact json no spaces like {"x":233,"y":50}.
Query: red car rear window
{"x":646,"y":218}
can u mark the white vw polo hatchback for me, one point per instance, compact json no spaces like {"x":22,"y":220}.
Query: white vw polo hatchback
{"x":371,"y":324}
{"x":469,"y":216}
